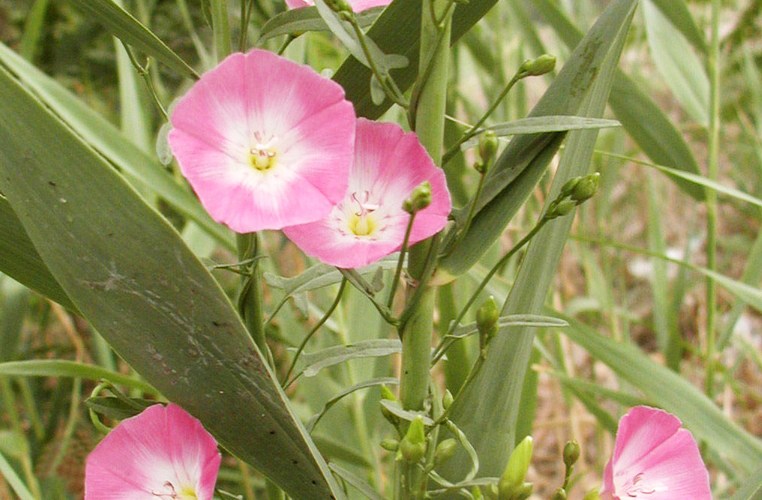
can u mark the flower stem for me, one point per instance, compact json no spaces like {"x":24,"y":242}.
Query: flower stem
{"x":400,"y":262}
{"x":250,"y":298}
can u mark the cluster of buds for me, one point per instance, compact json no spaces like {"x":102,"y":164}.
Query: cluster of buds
{"x":419,"y":199}
{"x":573,"y":193}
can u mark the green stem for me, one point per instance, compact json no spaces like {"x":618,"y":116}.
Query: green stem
{"x":221,"y":27}
{"x":390,"y":88}
{"x":400,"y":262}
{"x":250,"y":305}
{"x":475,"y":127}
{"x":711,"y":196}
{"x":314,"y":330}
{"x":246,"y":6}
{"x":439,"y":352}
{"x":417,"y":328}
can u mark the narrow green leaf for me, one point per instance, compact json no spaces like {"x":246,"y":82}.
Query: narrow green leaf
{"x":346,"y":392}
{"x":131,"y":276}
{"x":351,"y":478}
{"x":19,"y":259}
{"x":63,"y":368}
{"x":640,"y":116}
{"x":141,"y":169}
{"x":16,"y":483}
{"x":682,"y":70}
{"x":674,"y":393}
{"x":33,"y":29}
{"x":681,"y":18}
{"x":535,"y":320}
{"x":113,"y":407}
{"x":539,"y":124}
{"x":125,"y":27}
{"x":495,"y":391}
{"x":335,"y":448}
{"x":751,"y":487}
{"x":297,"y":21}
{"x":311,"y":363}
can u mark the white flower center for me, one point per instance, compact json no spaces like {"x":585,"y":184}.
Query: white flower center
{"x":263,"y":155}
{"x":361,"y":222}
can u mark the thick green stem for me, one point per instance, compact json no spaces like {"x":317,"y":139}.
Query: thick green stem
{"x":711,"y":196}
{"x":416,"y":331}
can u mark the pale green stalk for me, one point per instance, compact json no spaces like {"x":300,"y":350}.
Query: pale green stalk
{"x":250,"y":305}
{"x":416,"y":331}
{"x":711,"y":196}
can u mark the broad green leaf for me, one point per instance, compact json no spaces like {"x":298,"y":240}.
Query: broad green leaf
{"x":681,"y":18}
{"x":751,"y":486}
{"x":19,"y":259}
{"x":495,"y":391}
{"x":297,"y":21}
{"x":129,"y":274}
{"x":311,"y":363}
{"x":141,"y":169}
{"x":539,"y":124}
{"x":675,"y":394}
{"x":63,"y":368}
{"x":397,"y":31}
{"x":113,"y":407}
{"x":679,"y":66}
{"x":640,"y":116}
{"x":125,"y":27}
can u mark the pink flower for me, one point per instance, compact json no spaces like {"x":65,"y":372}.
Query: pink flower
{"x":369,"y":223}
{"x":357,"y":5}
{"x":162,"y":453}
{"x":265,"y":142}
{"x":654,"y":458}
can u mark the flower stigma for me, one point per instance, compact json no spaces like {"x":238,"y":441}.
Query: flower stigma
{"x":638,"y":487}
{"x":186,"y":492}
{"x":361,"y":223}
{"x":262,"y":156}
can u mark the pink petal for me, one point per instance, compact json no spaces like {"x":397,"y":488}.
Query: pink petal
{"x":261,"y":95}
{"x":145,"y":453}
{"x":388,"y":165}
{"x":655,"y":458}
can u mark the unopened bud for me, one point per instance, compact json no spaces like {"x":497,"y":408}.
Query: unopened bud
{"x":387,"y":394}
{"x":445,"y":451}
{"x":419,"y":199}
{"x":487,"y":151}
{"x":511,"y":484}
{"x":536,"y":67}
{"x":487,"y":316}
{"x":592,"y":495}
{"x":559,"y":494}
{"x":586,"y":188}
{"x":339,"y":6}
{"x":447,"y":399}
{"x":568,"y":187}
{"x":413,"y":445}
{"x":390,"y":444}
{"x":571,"y":453}
{"x":563,"y":207}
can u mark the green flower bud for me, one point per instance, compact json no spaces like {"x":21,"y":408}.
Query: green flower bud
{"x":568,"y":187}
{"x":487,"y":151}
{"x":511,"y":484}
{"x":419,"y":199}
{"x":387,"y":394}
{"x":592,"y":495}
{"x":390,"y":444}
{"x":487,"y":316}
{"x":536,"y":67}
{"x":339,"y":6}
{"x":559,"y":494}
{"x":561,"y":208}
{"x":413,"y":445}
{"x":525,"y":491}
{"x":447,"y":399}
{"x":445,"y":451}
{"x":586,"y":188}
{"x":571,"y":453}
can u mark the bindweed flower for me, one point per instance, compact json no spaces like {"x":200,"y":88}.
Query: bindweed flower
{"x":356,"y":5}
{"x":370,"y":223}
{"x":264,"y":142}
{"x":162,"y":453}
{"x":654,"y":458}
